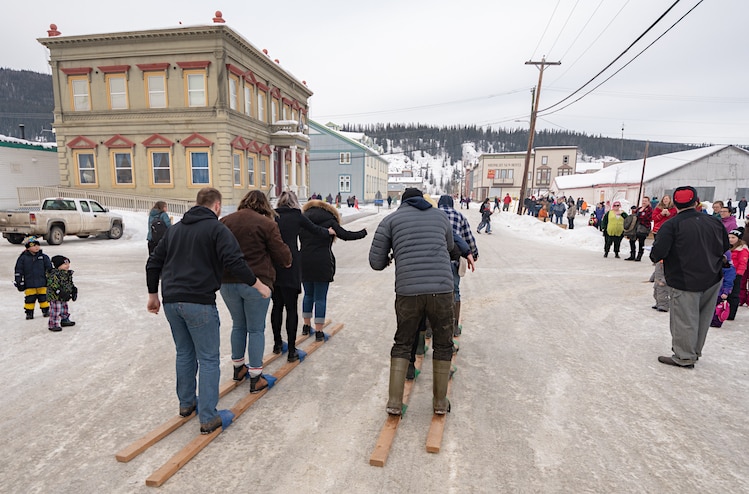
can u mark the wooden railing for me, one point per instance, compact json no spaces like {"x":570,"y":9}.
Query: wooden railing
{"x":33,"y":196}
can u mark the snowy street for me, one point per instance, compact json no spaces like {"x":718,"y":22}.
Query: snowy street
{"x":558,"y":386}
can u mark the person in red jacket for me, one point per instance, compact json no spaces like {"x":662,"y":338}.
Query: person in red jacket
{"x":662,"y":212}
{"x":740,"y":257}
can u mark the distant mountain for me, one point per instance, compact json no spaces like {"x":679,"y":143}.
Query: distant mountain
{"x":26,"y":98}
{"x":410,"y":138}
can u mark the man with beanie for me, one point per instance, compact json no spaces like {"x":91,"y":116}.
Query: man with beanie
{"x":420,"y":238}
{"x":691,"y":246}
{"x":190,"y":260}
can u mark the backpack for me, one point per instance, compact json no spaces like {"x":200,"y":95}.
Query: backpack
{"x":630,"y":224}
{"x":158,"y":229}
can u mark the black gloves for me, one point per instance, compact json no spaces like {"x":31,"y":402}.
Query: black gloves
{"x":74,"y":297}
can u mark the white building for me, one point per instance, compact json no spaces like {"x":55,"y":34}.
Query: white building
{"x":25,"y":164}
{"x":717,"y":172}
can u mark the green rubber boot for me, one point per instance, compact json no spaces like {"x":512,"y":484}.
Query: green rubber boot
{"x":440,"y":377}
{"x":398,"y":369}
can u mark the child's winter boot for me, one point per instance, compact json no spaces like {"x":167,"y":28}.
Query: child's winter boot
{"x":29,"y":313}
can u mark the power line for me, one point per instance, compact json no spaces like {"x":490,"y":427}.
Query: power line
{"x":616,"y":59}
{"x":621,"y":68}
{"x":551,"y":17}
{"x":564,"y":26}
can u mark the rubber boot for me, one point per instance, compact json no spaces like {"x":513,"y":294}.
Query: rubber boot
{"x":639,"y":256}
{"x":457,"y":329}
{"x":421,"y":345}
{"x":29,"y":313}
{"x":440,"y":378}
{"x":398,"y":370}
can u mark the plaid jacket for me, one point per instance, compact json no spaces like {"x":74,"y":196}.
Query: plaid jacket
{"x":462,"y":228}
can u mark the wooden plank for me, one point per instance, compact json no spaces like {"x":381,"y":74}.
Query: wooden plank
{"x":387,"y":434}
{"x":183,"y":456}
{"x":437,"y":427}
{"x":149,"y":439}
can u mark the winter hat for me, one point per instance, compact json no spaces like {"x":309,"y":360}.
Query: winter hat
{"x":411,"y":192}
{"x":685,"y":197}
{"x":736,"y":233}
{"x":29,"y":241}
{"x":58,"y":261}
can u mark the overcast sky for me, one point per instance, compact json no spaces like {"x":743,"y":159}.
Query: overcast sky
{"x":463,"y":62}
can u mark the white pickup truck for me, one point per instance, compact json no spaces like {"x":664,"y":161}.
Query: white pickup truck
{"x":60,"y":216}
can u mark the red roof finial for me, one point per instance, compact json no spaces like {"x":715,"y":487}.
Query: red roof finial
{"x":276,"y":60}
{"x":265,"y":50}
{"x":53,"y":30}
{"x":219,"y":18}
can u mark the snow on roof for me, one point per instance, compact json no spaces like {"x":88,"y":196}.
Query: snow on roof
{"x":629,"y":172}
{"x":47,"y":146}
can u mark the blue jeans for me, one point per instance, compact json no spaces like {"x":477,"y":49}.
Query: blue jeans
{"x":195,"y":329}
{"x":248,"y":310}
{"x":315,"y":294}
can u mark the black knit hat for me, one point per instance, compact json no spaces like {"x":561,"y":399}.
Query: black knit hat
{"x":411,"y":192}
{"x":58,"y":261}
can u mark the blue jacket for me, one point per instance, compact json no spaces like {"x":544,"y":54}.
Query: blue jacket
{"x":31,"y":269}
{"x":157,"y":213}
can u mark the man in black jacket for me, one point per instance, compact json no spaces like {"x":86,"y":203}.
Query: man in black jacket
{"x":190,"y":261}
{"x":691,"y":245}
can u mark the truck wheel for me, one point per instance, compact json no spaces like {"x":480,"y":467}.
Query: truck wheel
{"x":55,"y":236}
{"x":15,"y":239}
{"x":115,"y":232}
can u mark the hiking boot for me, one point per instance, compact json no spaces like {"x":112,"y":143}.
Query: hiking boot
{"x":67,"y":322}
{"x":277,"y":349}
{"x":29,"y":314}
{"x":257,"y":384}
{"x":211,"y":426}
{"x":319,"y":336}
{"x":55,"y":329}
{"x":187,"y":411}
{"x":240,"y":372}
{"x":45,"y":312}
{"x":306,"y":329}
{"x":293,"y":356}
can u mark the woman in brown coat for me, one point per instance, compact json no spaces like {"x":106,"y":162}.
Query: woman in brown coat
{"x":254,"y":226}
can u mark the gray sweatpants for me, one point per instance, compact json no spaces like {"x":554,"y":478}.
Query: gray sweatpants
{"x":691,"y":313}
{"x":660,"y":288}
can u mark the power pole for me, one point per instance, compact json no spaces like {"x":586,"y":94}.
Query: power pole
{"x":532,"y":130}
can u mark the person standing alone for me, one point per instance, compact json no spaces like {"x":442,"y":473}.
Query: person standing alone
{"x":691,"y":246}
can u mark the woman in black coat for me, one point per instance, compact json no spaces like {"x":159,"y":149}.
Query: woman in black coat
{"x":318,"y":262}
{"x":288,"y":284}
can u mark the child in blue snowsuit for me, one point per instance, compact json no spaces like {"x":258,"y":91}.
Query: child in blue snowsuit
{"x":31,"y":276}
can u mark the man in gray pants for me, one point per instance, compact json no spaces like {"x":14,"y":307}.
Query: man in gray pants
{"x":691,"y":246}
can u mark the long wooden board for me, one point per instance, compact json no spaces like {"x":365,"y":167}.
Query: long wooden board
{"x":149,"y":439}
{"x":183,"y":456}
{"x":390,"y":427}
{"x":437,"y":427}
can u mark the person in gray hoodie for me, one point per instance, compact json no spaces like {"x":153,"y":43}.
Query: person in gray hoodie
{"x":419,"y":238}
